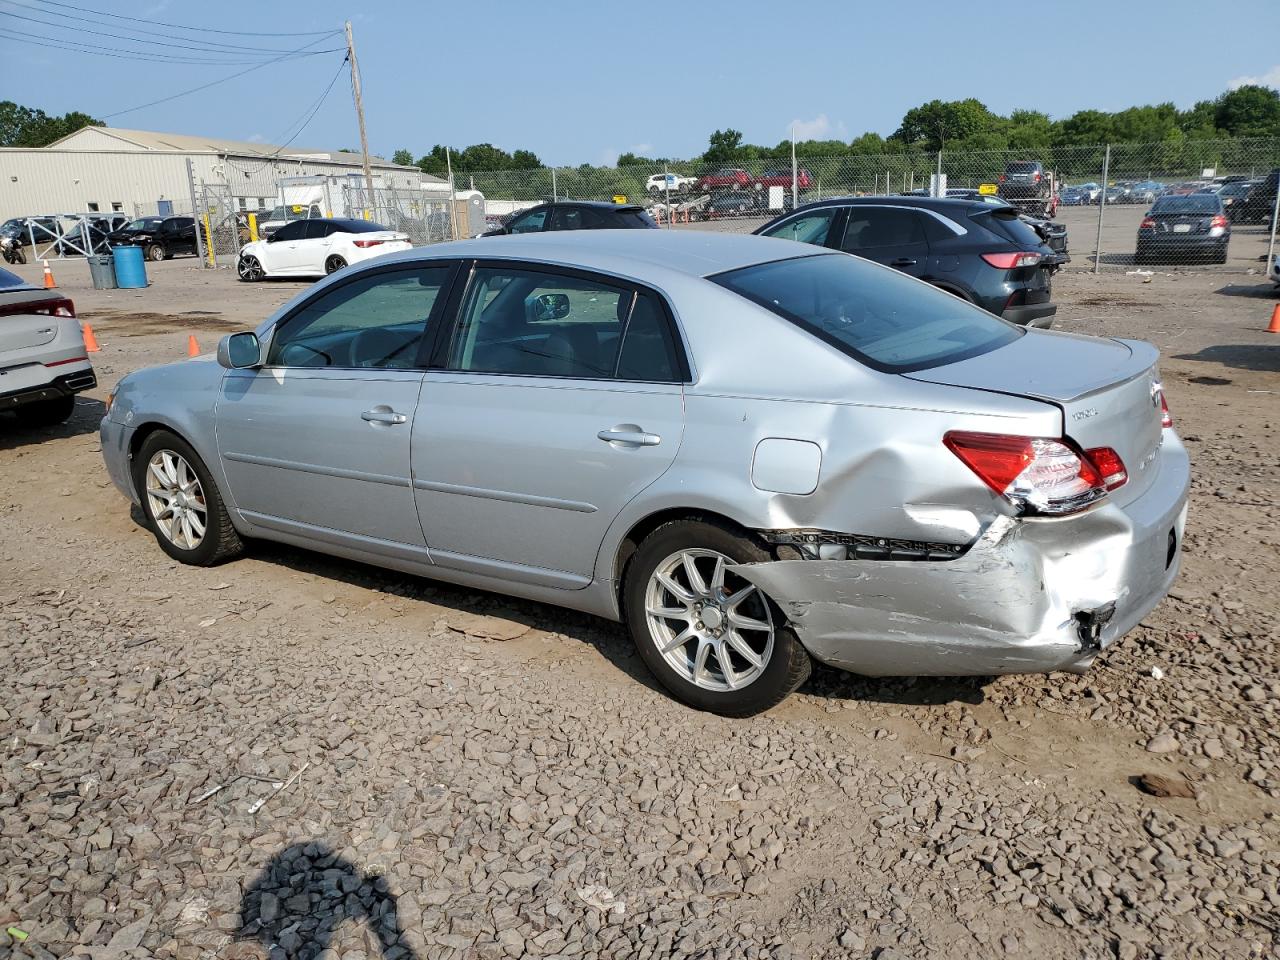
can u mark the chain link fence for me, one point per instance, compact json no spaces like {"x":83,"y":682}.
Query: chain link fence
{"x":1125,"y":206}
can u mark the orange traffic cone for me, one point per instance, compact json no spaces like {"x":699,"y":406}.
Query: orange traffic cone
{"x":90,"y":341}
{"x":1275,"y":320}
{"x":48,"y":277}
{"x":193,"y":348}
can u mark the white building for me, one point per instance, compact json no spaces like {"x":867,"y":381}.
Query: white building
{"x":139,"y":173}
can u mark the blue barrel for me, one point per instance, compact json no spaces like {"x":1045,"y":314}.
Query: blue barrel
{"x":131,"y":271}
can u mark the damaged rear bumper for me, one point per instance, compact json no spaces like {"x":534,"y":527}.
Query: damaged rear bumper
{"x":1029,"y":596}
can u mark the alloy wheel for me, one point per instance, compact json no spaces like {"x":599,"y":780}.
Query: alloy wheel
{"x":176,"y":499}
{"x":712,"y":627}
{"x":248,"y":268}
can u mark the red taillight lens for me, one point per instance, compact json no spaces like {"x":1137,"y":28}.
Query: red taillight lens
{"x":1110,"y":466}
{"x":60,"y":307}
{"x":1036,"y":474}
{"x":1003,"y":178}
{"x":367,"y":243}
{"x":1218,"y":221}
{"x":1037,"y":178}
{"x":1166,"y":418}
{"x":1148,"y":223}
{"x":1007,"y":261}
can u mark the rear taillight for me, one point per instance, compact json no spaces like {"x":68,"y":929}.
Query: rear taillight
{"x":1166,"y":418}
{"x":1038,"y":475}
{"x":1218,"y":221}
{"x":1007,"y":261}
{"x":1003,"y":178}
{"x":1110,"y":467}
{"x":367,"y":243}
{"x":61,"y":307}
{"x":1148,"y":223}
{"x":1037,"y":178}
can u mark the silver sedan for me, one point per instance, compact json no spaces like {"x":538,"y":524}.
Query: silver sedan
{"x":751,"y":451}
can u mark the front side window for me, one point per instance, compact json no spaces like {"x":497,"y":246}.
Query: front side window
{"x":290,"y":231}
{"x":530,"y":323}
{"x":869,"y":228}
{"x":806,"y":228}
{"x":876,"y":315}
{"x":376,"y":321}
{"x":530,"y":222}
{"x":316,"y":229}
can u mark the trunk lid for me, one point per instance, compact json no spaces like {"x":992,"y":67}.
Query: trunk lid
{"x":20,"y":328}
{"x":1104,"y":387}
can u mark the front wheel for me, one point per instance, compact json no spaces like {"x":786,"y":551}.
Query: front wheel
{"x":181,"y":502}
{"x":334,"y":264}
{"x":156,"y":252}
{"x":248,"y":269}
{"x":713,"y":639}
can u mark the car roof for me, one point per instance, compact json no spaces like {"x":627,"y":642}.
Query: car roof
{"x":954,"y":206}
{"x":693,"y":253}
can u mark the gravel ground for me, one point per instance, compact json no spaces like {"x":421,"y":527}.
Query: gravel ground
{"x":295,"y":756}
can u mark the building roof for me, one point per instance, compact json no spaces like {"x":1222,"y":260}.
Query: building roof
{"x":90,"y":138}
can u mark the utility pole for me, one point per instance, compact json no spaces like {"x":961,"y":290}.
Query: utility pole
{"x":355,"y":92}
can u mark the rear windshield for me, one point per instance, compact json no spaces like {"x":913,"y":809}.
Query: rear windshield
{"x":1022,"y":168}
{"x":876,"y":315}
{"x":1005,"y":223}
{"x":1191,"y":203}
{"x":358,"y":226}
{"x":8,"y":279}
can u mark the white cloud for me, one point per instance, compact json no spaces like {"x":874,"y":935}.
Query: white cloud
{"x":1269,"y":79}
{"x":819,"y":128}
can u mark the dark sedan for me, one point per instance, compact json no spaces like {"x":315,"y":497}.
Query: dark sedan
{"x":980,"y":252}
{"x":160,"y":237}
{"x":1193,"y":226}
{"x":577,"y":215}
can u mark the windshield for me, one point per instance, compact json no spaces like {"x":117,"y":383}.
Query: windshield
{"x":1191,"y":203}
{"x":145,"y":223}
{"x":876,"y":315}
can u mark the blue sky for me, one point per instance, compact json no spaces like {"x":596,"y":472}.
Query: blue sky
{"x":580,"y":81}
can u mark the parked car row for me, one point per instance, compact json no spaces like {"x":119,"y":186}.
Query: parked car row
{"x":729,"y":178}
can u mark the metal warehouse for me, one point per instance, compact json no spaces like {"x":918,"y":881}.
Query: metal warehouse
{"x":140,"y":173}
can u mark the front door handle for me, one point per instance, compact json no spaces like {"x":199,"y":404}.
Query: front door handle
{"x":902,"y":262}
{"x":383,"y":415}
{"x":628,"y":434}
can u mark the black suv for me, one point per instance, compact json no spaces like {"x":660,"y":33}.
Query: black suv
{"x":1258,"y":205}
{"x":577,"y":215}
{"x":1026,"y":184}
{"x":980,"y":252}
{"x":161,"y":237}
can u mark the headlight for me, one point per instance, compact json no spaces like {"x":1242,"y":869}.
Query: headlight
{"x":111,"y":398}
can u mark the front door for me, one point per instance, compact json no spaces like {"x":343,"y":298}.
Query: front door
{"x":894,"y":236}
{"x":561,"y":400}
{"x":316,"y":442}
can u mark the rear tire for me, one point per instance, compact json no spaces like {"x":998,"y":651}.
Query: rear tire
{"x":156,"y":252}
{"x":175,"y":486}
{"x":752,"y":659}
{"x":46,"y":413}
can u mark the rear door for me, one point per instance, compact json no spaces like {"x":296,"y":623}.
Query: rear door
{"x":894,"y":236}
{"x":559,"y":399}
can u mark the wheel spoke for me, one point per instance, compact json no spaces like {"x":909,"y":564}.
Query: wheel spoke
{"x":195,"y":525}
{"x":696,"y":583}
{"x":743,"y":649}
{"x":717,"y":576}
{"x":157,"y":471}
{"x":679,"y":640}
{"x":669,"y":613}
{"x":742,"y":622}
{"x":677,"y":591}
{"x":726,"y":668}
{"x":732,"y":601}
{"x":700,"y":660}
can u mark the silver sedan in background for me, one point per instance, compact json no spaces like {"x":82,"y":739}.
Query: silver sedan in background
{"x":753,"y":452}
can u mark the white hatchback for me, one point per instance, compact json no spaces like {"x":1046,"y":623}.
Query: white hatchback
{"x":313,"y":248}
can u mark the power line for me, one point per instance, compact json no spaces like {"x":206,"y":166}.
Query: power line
{"x":180,"y":26}
{"x":202,"y":48}
{"x":315,"y":108}
{"x":120,"y":53}
{"x":214,"y":83}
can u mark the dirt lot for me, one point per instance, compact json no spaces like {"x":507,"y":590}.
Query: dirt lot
{"x":467,"y":776}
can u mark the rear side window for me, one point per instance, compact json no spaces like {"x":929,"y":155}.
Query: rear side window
{"x":648,"y":351}
{"x":634,"y":220}
{"x":870,"y":227}
{"x":876,"y":315}
{"x":806,"y":228}
{"x":355,"y":226}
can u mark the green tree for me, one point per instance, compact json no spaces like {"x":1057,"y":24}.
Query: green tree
{"x":1146,"y":124}
{"x":630,"y":159}
{"x":1249,"y":111}
{"x":1084,"y":128}
{"x":933,"y":124}
{"x":525,"y":160}
{"x":402,"y":157}
{"x":724,"y":146}
{"x":1029,"y":129}
{"x":31,"y":127}
{"x":872,"y":145}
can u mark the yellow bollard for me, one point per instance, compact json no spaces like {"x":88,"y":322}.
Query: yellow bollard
{"x":253,"y":227}
{"x":208,"y":242}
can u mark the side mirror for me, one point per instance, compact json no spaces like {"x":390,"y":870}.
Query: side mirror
{"x":549,"y":306}
{"x":240,"y":351}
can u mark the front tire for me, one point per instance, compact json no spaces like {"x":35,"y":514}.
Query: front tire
{"x":156,"y":252}
{"x":46,"y":413}
{"x":249,"y":270}
{"x":715,"y":641}
{"x":181,"y":502}
{"x":334,"y":264}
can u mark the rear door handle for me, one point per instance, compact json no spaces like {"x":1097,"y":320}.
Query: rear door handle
{"x":902,"y":262}
{"x":383,"y":416}
{"x":629,"y":435}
